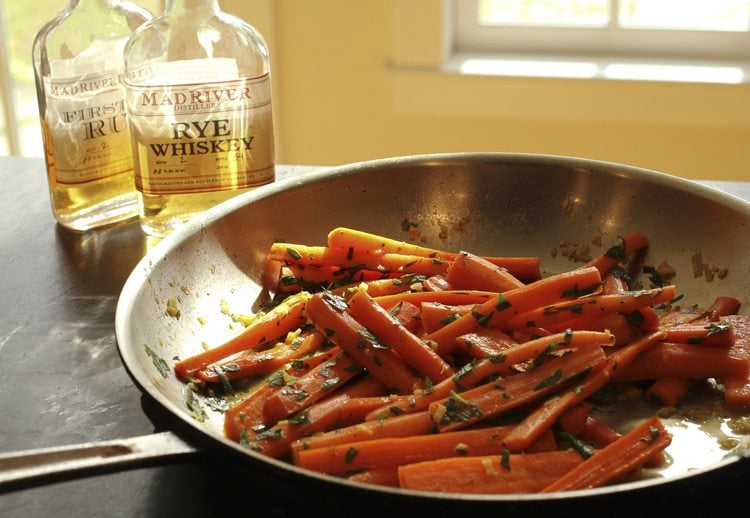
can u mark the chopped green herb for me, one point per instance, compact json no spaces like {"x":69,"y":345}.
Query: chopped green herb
{"x":505,"y":459}
{"x":294,"y":253}
{"x":350,"y":454}
{"x":549,"y":380}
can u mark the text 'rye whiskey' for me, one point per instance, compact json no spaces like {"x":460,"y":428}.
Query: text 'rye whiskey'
{"x":199,"y":110}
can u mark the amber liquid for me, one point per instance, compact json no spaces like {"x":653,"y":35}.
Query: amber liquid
{"x":160,"y":213}
{"x":94,"y":203}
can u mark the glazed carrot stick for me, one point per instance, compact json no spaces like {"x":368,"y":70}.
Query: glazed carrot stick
{"x":495,"y":474}
{"x":436,"y":283}
{"x":545,"y":415}
{"x":275,"y":441}
{"x":472,"y":272}
{"x":619,"y":252}
{"x":670,"y":390}
{"x":397,"y":426}
{"x":435,"y":315}
{"x":524,"y":268}
{"x":573,"y":420}
{"x":452,"y":297}
{"x":563,"y":312}
{"x":354,"y":410}
{"x":328,"y":313}
{"x":621,"y":457}
{"x":685,"y":361}
{"x":406,"y":314}
{"x":485,"y":342}
{"x":266,"y":361}
{"x":737,"y":386}
{"x":282,"y":319}
{"x":312,"y":386}
{"x":496,"y":397}
{"x":420,"y":356}
{"x":246,"y":418}
{"x":506,"y":305}
{"x":598,"y":433}
{"x":503,"y":364}
{"x":714,"y":334}
{"x":721,"y":307}
{"x":398,"y":451}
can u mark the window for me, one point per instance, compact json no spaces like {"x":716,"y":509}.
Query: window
{"x":19,"y":115}
{"x":591,"y":34}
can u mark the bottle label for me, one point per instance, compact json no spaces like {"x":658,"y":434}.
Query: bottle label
{"x":206,"y":137}
{"x":86,"y":127}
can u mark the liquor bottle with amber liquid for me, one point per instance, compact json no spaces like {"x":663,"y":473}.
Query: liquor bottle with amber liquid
{"x":79,"y":72}
{"x":199,"y":109}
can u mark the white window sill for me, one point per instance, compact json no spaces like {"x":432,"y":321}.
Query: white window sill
{"x":582,"y":67}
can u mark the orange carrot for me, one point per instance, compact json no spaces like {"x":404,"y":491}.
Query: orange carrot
{"x":503,"y":364}
{"x":354,"y":410}
{"x":545,"y":415}
{"x":398,"y":451}
{"x":573,"y":420}
{"x":244,"y":420}
{"x":685,"y":361}
{"x":598,"y":433}
{"x":524,"y":268}
{"x":506,"y":305}
{"x":262,"y":362}
{"x":619,"y":458}
{"x":619,"y":252}
{"x":420,"y":356}
{"x":275,"y":441}
{"x":435,"y":315}
{"x":496,"y":397}
{"x":670,"y":390}
{"x":495,"y":474}
{"x":312,"y":386}
{"x":737,"y":385}
{"x":471,"y":272}
{"x":563,"y":312}
{"x":712,"y":334}
{"x":282,"y":319}
{"x":449,"y":297}
{"x":436,"y":283}
{"x":397,"y":426}
{"x":485,"y":342}
{"x":328,"y":313}
{"x":721,"y":307}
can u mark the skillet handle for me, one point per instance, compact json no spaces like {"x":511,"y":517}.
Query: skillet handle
{"x":66,"y":462}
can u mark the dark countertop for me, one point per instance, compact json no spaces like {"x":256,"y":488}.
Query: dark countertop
{"x":63,"y":382}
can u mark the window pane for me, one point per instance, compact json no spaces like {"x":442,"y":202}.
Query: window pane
{"x":712,"y":15}
{"x":577,"y":13}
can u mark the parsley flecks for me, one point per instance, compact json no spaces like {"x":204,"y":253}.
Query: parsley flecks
{"x":335,"y":301}
{"x":550,"y":380}
{"x":505,"y":459}
{"x":350,"y":454}
{"x":616,"y":251}
{"x":271,"y":433}
{"x":482,"y":320}
{"x":457,"y":409}
{"x":653,"y":434}
{"x":159,"y":362}
{"x":294,"y":254}
{"x":450,"y":318}
{"x":502,"y":303}
{"x":372,"y":339}
{"x":576,"y":292}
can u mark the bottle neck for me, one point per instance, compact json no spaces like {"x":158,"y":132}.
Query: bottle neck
{"x":178,"y":7}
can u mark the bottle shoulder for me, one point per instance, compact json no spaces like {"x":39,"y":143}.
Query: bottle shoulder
{"x":168,"y":39}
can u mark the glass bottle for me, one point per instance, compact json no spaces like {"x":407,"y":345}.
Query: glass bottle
{"x":199,"y":108}
{"x":79,"y":72}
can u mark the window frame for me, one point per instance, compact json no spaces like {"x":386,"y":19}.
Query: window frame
{"x":468,"y":36}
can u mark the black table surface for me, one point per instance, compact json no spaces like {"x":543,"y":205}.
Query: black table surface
{"x":62,"y":382}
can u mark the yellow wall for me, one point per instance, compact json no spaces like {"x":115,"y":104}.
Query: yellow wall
{"x":360,"y":79}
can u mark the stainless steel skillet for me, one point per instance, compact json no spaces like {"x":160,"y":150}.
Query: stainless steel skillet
{"x":185,"y":293}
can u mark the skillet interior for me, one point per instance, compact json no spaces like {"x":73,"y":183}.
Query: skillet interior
{"x":489,"y":203}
